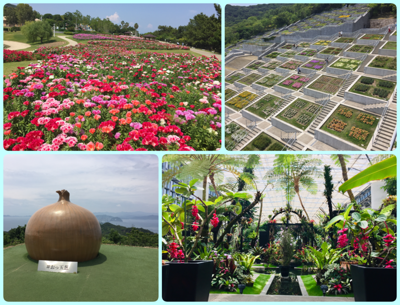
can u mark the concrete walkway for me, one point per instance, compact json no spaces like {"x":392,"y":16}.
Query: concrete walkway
{"x":206,"y":53}
{"x":70,"y":42}
{"x":14,"y":45}
{"x":273,"y":298}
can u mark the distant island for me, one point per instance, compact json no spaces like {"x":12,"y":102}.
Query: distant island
{"x":107,"y":218}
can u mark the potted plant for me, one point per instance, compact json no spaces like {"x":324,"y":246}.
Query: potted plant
{"x":247,"y":261}
{"x":189,"y":280}
{"x":286,"y":248}
{"x":372,"y":243}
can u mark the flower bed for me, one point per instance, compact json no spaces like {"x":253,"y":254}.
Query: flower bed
{"x":249,"y":79}
{"x":308,"y":52}
{"x":89,"y":97}
{"x":233,"y":135}
{"x":327,"y":84}
{"x":272,"y":64}
{"x":322,"y":43}
{"x":233,"y":78}
{"x":390,"y":45}
{"x":331,"y":51}
{"x":384,"y":62}
{"x":359,"y":48}
{"x":265,"y":106}
{"x":377,"y":88}
{"x":273,"y":55}
{"x":291,"y":65}
{"x":16,"y":56}
{"x":229,"y":93}
{"x":346,"y":124}
{"x":304,"y":44}
{"x":288,"y":54}
{"x":300,"y":113}
{"x":264,"y":143}
{"x":94,"y":37}
{"x":288,"y":46}
{"x":242,"y":100}
{"x":347,"y":64}
{"x":294,"y":82}
{"x":270,"y":80}
{"x":135,"y":44}
{"x":315,"y":64}
{"x":255,"y":65}
{"x":344,"y":40}
{"x":372,"y":36}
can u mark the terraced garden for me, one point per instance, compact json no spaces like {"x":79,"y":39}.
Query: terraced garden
{"x":273,"y":55}
{"x":308,"y":52}
{"x":294,"y":82}
{"x":287,"y":46}
{"x":264,"y":143}
{"x":300,"y":113}
{"x":384,"y":62}
{"x":304,"y":44}
{"x":327,"y":84}
{"x":234,"y":133}
{"x":372,"y":36}
{"x":345,"y":40}
{"x":229,"y":93}
{"x":361,"y":48}
{"x":233,"y":78}
{"x":256,"y":65}
{"x":242,"y":100}
{"x":315,"y":64}
{"x":289,"y":54}
{"x":346,"y":64}
{"x":377,"y":88}
{"x":331,"y":51}
{"x":272,"y":64}
{"x":390,"y":45}
{"x":322,"y":43}
{"x":265,"y":106}
{"x":270,"y":80}
{"x":291,"y":64}
{"x":352,"y":125}
{"x":249,"y":79}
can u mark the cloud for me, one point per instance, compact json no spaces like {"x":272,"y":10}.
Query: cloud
{"x":149,"y":26}
{"x":118,"y":205}
{"x":114,"y":18}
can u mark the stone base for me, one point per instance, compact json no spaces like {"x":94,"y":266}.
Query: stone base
{"x":378,"y":71}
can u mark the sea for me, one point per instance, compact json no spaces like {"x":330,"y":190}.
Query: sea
{"x":151,"y":225}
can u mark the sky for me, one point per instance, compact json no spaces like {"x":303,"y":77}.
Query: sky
{"x":147,"y":16}
{"x":99,"y":183}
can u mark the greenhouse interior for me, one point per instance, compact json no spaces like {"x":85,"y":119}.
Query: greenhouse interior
{"x":281,"y":227}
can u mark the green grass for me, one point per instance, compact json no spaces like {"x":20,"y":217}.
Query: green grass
{"x":370,"y":91}
{"x":275,"y":144}
{"x":390,"y":45}
{"x":119,"y":273}
{"x":352,"y":121}
{"x":9,"y":67}
{"x":314,"y":290}
{"x":258,"y":286}
{"x":266,"y":106}
{"x":17,"y":36}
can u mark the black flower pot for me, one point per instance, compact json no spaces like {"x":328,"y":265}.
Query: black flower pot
{"x":374,"y":284}
{"x":295,"y":264}
{"x":189,"y":281}
{"x":284,"y":270}
{"x":165,"y":273}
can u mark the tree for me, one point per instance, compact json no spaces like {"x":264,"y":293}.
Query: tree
{"x":328,"y":189}
{"x":114,"y":236}
{"x":10,"y":13}
{"x":136,"y":26}
{"x":39,"y":29}
{"x":294,"y":171}
{"x":341,"y":160}
{"x":24,"y":13}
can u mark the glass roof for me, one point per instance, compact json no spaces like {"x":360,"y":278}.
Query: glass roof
{"x":313,"y":203}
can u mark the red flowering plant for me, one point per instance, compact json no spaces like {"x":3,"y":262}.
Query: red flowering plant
{"x":366,"y":235}
{"x":337,"y":279}
{"x":177,"y":219}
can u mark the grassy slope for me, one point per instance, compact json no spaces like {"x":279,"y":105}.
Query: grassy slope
{"x":258,"y":286}
{"x":314,"y":290}
{"x":119,"y":273}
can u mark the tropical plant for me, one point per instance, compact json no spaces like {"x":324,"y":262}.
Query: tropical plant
{"x":286,"y":247}
{"x":337,"y":279}
{"x":341,"y":160}
{"x":246,"y":260}
{"x":293,"y":172}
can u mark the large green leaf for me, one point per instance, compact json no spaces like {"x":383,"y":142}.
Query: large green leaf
{"x":379,"y":171}
{"x":333,"y":220}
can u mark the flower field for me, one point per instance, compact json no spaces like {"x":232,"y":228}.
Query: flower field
{"x":361,"y":48}
{"x":347,"y":64}
{"x":104,"y":96}
{"x":308,"y":52}
{"x":327,"y":84}
{"x":15,"y":56}
{"x":242,"y":100}
{"x":291,"y":64}
{"x":94,"y":37}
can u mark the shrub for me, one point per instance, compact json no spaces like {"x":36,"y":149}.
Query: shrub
{"x":386,"y":84}
{"x":15,"y":56}
{"x":275,"y":147}
{"x":15,"y":29}
{"x":362,"y":88}
{"x":5,"y":29}
{"x":383,"y":93}
{"x":367,"y":80}
{"x":262,"y":142}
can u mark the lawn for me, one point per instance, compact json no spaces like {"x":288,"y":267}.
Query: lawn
{"x":265,"y":106}
{"x":314,"y":290}
{"x":9,"y":67}
{"x":384,"y":62}
{"x":390,"y":45}
{"x":344,"y":40}
{"x":376,"y":88}
{"x":327,"y":84}
{"x":119,"y":273}
{"x":264,"y":143}
{"x":17,"y":36}
{"x":342,"y":125}
{"x":300,"y":113}
{"x":258,"y":286}
{"x":242,"y":100}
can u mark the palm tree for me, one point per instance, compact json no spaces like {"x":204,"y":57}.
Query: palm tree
{"x":294,"y":171}
{"x":136,"y":26}
{"x":341,"y":160}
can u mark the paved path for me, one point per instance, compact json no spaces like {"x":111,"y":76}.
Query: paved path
{"x":70,"y":42}
{"x":14,"y":45}
{"x":206,"y":53}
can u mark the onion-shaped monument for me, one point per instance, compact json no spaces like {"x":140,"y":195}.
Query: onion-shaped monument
{"x":63,"y":231}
